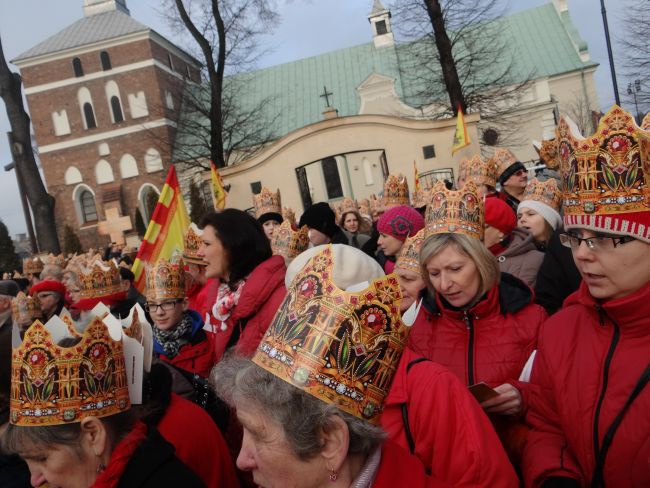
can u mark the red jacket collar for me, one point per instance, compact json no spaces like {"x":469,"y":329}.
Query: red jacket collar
{"x":260,"y":285}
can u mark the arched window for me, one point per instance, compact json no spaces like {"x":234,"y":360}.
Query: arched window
{"x":148,"y":198}
{"x":128,"y":166}
{"x":72,"y":175}
{"x":106,"y":60}
{"x":116,"y":109}
{"x":76,"y":66}
{"x":87,"y":109}
{"x":89,"y":115}
{"x":152,"y":160}
{"x":103,"y":172}
{"x":114,"y":102}
{"x":88,"y":209}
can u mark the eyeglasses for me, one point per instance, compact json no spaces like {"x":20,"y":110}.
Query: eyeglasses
{"x":520,"y":172}
{"x":167,"y":306}
{"x":597,"y":243}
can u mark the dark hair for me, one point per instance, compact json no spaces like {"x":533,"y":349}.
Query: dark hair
{"x":242,"y":237}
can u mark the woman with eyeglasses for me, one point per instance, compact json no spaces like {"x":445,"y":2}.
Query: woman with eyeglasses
{"x":589,"y":421}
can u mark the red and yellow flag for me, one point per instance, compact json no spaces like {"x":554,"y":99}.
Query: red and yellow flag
{"x":416,"y":175}
{"x":167,"y":226}
{"x":218,"y":191}
{"x":461,"y":136}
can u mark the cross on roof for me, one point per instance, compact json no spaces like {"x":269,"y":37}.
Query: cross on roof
{"x":115,"y":225}
{"x":326,"y":96}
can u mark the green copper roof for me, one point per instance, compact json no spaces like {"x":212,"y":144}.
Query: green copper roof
{"x":542,"y":44}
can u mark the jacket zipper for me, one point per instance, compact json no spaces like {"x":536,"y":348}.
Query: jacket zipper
{"x":470,"y":347}
{"x":603,"y":390}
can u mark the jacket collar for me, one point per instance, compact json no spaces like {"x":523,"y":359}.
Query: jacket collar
{"x":259,"y":286}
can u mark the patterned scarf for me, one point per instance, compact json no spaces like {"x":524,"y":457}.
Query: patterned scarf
{"x":171,"y":340}
{"x":227,"y":299}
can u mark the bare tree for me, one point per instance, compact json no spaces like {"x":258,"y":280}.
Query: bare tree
{"x":580,"y":112}
{"x":41,"y":202}
{"x":228,"y":37}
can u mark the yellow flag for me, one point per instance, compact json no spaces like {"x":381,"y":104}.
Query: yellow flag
{"x":416,"y":175}
{"x":461,"y":137}
{"x":219,"y":192}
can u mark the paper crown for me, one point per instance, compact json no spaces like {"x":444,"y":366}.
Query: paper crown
{"x":421,"y":197}
{"x":409,"y":255}
{"x":32,"y":265}
{"x":191,"y":243}
{"x":99,"y":280}
{"x":645,"y":123}
{"x":267,"y":202}
{"x":287,"y":242}
{"x":25,"y":309}
{"x":364,"y":207}
{"x":348,"y":205}
{"x":340,"y":347}
{"x":53,"y":385}
{"x":455,"y":211}
{"x":548,"y":153}
{"x":546,"y":192}
{"x":289,"y":214}
{"x":606,"y":176}
{"x":502,"y":160}
{"x":478,"y":170}
{"x":165,"y":280}
{"x":396,"y":191}
{"x":58,"y":260}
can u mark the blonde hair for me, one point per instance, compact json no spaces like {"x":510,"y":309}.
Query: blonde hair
{"x":486,"y":264}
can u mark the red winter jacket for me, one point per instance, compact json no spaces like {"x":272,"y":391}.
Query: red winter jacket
{"x":202,"y":298}
{"x":591,"y":355}
{"x":452,"y":436}
{"x":399,"y":468}
{"x":260,"y":298}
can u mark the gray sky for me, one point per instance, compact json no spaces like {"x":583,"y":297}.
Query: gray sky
{"x":307,"y":28}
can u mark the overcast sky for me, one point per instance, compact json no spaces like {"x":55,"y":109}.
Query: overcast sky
{"x":307,"y":28}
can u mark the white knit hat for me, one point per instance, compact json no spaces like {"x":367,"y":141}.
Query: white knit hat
{"x":549,"y":213}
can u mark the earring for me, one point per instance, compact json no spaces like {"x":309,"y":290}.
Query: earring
{"x":100,"y":468}
{"x":333,"y":475}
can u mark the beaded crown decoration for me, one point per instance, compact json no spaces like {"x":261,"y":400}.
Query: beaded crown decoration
{"x":289,"y":215}
{"x":409,"y":255}
{"x":58,"y":260}
{"x":348,"y":205}
{"x":396,"y":191}
{"x":32,"y":265}
{"x":165,"y":280}
{"x":549,"y":153}
{"x":421,"y":197}
{"x":99,"y":279}
{"x":455,"y":211}
{"x":503,"y":158}
{"x":287,"y":242}
{"x":25,"y":309}
{"x":267,"y":202}
{"x":478,"y":170}
{"x":546,"y":192}
{"x":191,"y":243}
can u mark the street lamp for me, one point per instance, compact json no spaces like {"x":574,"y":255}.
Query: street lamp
{"x":23,"y":199}
{"x":633,"y":89}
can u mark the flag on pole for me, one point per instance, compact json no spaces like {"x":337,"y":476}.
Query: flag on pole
{"x":416,"y":175}
{"x":461,"y":137}
{"x":167,"y":226}
{"x":218,"y":191}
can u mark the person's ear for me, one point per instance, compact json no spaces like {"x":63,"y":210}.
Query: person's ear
{"x":335,"y":442}
{"x":94,"y":436}
{"x":186,"y":304}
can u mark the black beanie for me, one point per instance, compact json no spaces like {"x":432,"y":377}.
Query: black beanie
{"x":511,"y":170}
{"x":270,"y":216}
{"x":321,"y":217}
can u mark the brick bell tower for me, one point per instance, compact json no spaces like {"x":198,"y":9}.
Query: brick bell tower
{"x":104,"y":96}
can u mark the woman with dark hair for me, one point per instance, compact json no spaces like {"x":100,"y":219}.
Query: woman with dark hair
{"x":268,"y":210}
{"x":239,"y":254}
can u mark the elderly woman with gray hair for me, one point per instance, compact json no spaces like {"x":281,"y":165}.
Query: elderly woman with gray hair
{"x":310,"y":399}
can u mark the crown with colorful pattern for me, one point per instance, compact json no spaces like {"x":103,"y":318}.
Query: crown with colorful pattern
{"x":192,"y":241}
{"x":340,"y":347}
{"x":348,"y":205}
{"x":364,"y":207}
{"x":54,"y":385}
{"x":606,"y":176}
{"x":421,"y":197}
{"x":267,"y":202}
{"x":58,"y":260}
{"x":409,"y":254}
{"x":32,"y":265}
{"x":166,"y":280}
{"x":645,"y":123}
{"x":548,"y":153}
{"x":546,"y":192}
{"x":287,"y":242}
{"x":289,"y":215}
{"x":478,"y":170}
{"x":99,"y":279}
{"x":25,"y":309}
{"x":396,"y":191}
{"x":503,"y":158}
{"x":455,"y":211}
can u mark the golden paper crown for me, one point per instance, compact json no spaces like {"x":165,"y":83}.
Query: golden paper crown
{"x":455,"y":211}
{"x":99,"y":279}
{"x":166,"y":280}
{"x":53,"y":385}
{"x":58,"y":260}
{"x":32,"y":265}
{"x":192,"y":241}
{"x":289,"y":214}
{"x":548,"y":153}
{"x":396,"y":191}
{"x":645,"y":123}
{"x":267,"y":202}
{"x":546,"y":192}
{"x":287,"y":242}
{"x":502,"y":160}
{"x":25,"y":309}
{"x":340,"y":347}
{"x":364,"y":207}
{"x":606,"y":176}
{"x":478,"y":170}
{"x":409,"y":255}
{"x":421,"y":197}
{"x":348,"y":205}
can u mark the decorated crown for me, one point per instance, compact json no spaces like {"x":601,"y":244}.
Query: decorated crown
{"x":289,"y":214}
{"x":100,"y":279}
{"x":340,"y":347}
{"x":546,"y":192}
{"x":364,"y":207}
{"x":502,"y":160}
{"x":548,"y":153}
{"x":25,"y":309}
{"x":606,"y":176}
{"x":53,"y":385}
{"x":396,"y":191}
{"x":287,"y":242}
{"x":58,"y":260}
{"x":267,"y":202}
{"x":645,"y":123}
{"x":32,"y":265}
{"x":166,"y":280}
{"x":409,"y":255}
{"x":348,"y":205}
{"x":191,"y":243}
{"x":478,"y":170}
{"x":455,"y":211}
{"x":421,"y":197}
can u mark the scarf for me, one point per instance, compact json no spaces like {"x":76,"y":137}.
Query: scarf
{"x":170,"y":340}
{"x":110,"y":477}
{"x":227,"y":299}
{"x":366,"y":477}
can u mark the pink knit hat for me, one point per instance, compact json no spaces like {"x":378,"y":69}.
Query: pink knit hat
{"x":400,"y":222}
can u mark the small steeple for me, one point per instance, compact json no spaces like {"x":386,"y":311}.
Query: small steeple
{"x":93,"y":7}
{"x":379,"y":18}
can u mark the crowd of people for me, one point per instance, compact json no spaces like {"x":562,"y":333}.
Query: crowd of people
{"x":494,"y":334}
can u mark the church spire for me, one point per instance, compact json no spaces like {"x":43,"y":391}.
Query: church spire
{"x":379,"y":18}
{"x":93,"y":7}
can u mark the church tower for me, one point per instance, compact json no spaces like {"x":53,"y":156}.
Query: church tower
{"x":379,"y":18}
{"x":104,"y":96}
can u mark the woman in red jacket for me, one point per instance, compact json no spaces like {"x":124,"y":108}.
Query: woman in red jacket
{"x":239,"y":254}
{"x":590,"y":421}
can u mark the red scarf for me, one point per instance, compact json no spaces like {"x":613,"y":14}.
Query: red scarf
{"x":110,"y":477}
